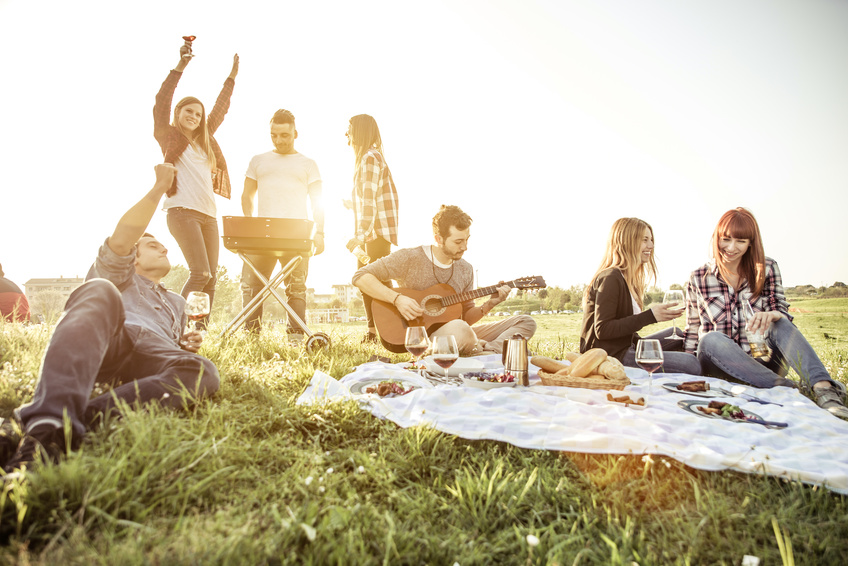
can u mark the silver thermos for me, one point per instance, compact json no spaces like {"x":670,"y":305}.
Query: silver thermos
{"x":514,"y":357}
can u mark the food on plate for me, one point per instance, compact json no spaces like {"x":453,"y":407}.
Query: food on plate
{"x":588,"y":362}
{"x":722,"y":409}
{"x":694,"y":386}
{"x":626,"y":400}
{"x":388,"y":388}
{"x":550,"y":365}
{"x":490,"y":377}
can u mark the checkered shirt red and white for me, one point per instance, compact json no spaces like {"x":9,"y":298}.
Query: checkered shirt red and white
{"x":711,"y":304}
{"x":375,"y":200}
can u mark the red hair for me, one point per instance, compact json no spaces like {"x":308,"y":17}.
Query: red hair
{"x":740,"y":224}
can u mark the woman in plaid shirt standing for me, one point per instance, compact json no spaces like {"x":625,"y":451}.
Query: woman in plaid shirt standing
{"x":740,"y":271}
{"x":375,"y":200}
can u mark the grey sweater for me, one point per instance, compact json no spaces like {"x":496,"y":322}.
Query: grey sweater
{"x":413,"y":269}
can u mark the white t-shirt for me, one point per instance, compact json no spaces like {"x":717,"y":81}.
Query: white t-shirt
{"x":283,"y":183}
{"x":194,"y":183}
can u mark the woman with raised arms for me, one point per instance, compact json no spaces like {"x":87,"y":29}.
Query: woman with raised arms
{"x":374,"y":200}
{"x":187,"y":143}
{"x":716,"y":293}
{"x":612,"y":305}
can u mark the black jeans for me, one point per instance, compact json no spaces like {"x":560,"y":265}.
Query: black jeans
{"x":197,"y":235}
{"x":375,"y":249}
{"x":91,"y":344}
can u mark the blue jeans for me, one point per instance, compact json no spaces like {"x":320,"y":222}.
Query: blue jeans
{"x":197,"y":235}
{"x":91,"y":344}
{"x":674,"y":359}
{"x":295,"y":285}
{"x":722,"y":357}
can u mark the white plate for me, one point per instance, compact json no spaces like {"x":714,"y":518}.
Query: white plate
{"x":709,"y":393}
{"x":461,"y":365}
{"x":474,"y":382}
{"x":359,"y":387}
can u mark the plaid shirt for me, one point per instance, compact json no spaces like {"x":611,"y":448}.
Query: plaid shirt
{"x":375,"y":201}
{"x":711,"y":304}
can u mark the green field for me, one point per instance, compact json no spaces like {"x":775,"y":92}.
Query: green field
{"x":249,"y":478}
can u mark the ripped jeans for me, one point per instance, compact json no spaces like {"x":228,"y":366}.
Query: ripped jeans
{"x":197,"y":235}
{"x":295,"y":285}
{"x":721,"y":357}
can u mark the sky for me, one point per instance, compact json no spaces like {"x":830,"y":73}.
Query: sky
{"x":544,"y":120}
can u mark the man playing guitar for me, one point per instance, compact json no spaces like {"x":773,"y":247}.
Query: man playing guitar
{"x":423,"y":267}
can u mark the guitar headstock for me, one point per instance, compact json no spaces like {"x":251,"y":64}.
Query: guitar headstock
{"x":532,"y":282}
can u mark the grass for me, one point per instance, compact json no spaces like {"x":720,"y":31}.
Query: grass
{"x":250,"y":478}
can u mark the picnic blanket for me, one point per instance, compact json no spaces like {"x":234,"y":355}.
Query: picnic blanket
{"x":813,"y":449}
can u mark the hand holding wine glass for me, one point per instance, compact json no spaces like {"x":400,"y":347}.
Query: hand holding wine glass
{"x":416,"y":342}
{"x":197,"y":307}
{"x":445,"y":352}
{"x":675,"y":296}
{"x":649,"y":357}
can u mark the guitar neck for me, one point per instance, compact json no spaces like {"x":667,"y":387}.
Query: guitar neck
{"x":475,"y":294}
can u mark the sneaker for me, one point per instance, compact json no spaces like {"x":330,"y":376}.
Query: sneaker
{"x":44,"y":442}
{"x":832,"y":399}
{"x":9,"y":439}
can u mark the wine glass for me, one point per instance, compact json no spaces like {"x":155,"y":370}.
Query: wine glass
{"x":649,"y":356}
{"x":675,"y":296}
{"x":197,"y":306}
{"x":416,"y":342}
{"x":445,"y":352}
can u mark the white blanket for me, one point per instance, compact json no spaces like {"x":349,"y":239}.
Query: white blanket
{"x":812,"y":449}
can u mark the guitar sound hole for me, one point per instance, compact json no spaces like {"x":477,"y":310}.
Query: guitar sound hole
{"x":433,"y":305}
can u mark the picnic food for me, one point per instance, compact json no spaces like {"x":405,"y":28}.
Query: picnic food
{"x":490,"y":377}
{"x":722,"y":409}
{"x":626,"y":400}
{"x":588,"y":362}
{"x":385,"y":388}
{"x":694,"y":386}
{"x":613,"y":368}
{"x":550,"y":365}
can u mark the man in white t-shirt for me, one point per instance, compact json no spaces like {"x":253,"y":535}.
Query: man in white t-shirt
{"x":282,"y":180}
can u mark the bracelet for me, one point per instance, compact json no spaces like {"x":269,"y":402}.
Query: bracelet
{"x":395,"y":300}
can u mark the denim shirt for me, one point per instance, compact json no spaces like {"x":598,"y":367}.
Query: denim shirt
{"x":147,"y":304}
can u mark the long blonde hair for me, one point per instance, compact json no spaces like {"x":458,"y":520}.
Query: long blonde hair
{"x":622,"y":252}
{"x":364,"y":135}
{"x":200,"y":138}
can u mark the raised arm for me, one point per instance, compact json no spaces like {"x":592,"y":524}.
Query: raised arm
{"x":162,"y":107}
{"x":134,"y":222}
{"x":222,"y":104}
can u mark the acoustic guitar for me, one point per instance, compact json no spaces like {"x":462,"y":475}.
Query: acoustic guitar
{"x":441,"y":304}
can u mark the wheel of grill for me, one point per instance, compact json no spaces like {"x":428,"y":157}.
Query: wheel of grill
{"x":317,"y":341}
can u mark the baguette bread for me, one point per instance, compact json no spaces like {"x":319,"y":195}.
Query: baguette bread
{"x":550,"y":365}
{"x":588,"y":362}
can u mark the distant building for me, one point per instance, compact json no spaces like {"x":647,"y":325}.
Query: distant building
{"x":346,"y":293}
{"x":64,"y":285}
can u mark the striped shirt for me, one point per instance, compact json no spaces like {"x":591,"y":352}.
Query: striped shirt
{"x":711,"y":304}
{"x":375,"y":201}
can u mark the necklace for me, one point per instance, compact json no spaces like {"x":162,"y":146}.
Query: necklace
{"x":436,"y":277}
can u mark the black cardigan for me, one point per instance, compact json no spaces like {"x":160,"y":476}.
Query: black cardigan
{"x":608,"y":319}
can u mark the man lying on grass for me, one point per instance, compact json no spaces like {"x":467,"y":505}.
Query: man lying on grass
{"x":120,"y":328}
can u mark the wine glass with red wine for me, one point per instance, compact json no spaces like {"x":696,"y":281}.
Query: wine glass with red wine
{"x":416,"y":342}
{"x":197,"y":306}
{"x":649,"y":356}
{"x":445,"y":352}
